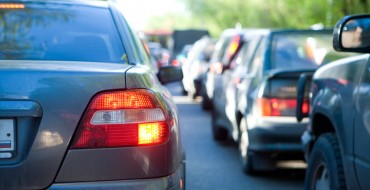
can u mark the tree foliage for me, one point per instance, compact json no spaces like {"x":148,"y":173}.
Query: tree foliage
{"x":216,"y":15}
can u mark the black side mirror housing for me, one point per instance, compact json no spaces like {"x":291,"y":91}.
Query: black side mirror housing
{"x":168,"y":74}
{"x":352,"y":34}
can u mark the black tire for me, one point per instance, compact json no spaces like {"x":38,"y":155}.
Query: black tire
{"x":325,"y":165}
{"x":206,"y":101}
{"x":183,"y":91}
{"x":192,"y":95}
{"x":245,"y":155}
{"x":219,"y":133}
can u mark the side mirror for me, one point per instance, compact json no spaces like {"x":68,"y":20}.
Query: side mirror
{"x":352,"y":34}
{"x":169,"y":74}
{"x":303,"y":89}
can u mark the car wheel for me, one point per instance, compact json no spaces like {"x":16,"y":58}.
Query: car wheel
{"x":325,"y":167}
{"x":245,"y":156}
{"x":206,"y":102}
{"x":219,"y":133}
{"x":192,"y":95}
{"x":183,"y":91}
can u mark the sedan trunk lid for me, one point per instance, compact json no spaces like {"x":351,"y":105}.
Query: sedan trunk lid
{"x":41,"y":103}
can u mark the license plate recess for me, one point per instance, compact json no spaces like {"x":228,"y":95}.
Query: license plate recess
{"x":7,"y":138}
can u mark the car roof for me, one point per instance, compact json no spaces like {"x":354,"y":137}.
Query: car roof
{"x":266,"y":32}
{"x":275,"y":31}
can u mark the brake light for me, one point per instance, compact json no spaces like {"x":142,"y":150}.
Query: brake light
{"x":233,"y":46}
{"x":305,"y":107}
{"x":343,"y":81}
{"x":122,"y":118}
{"x":277,"y":107}
{"x":175,"y":62}
{"x":11,"y":6}
{"x":150,"y":133}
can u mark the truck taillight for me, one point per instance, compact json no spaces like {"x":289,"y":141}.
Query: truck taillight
{"x":122,"y":118}
{"x":305,"y":107}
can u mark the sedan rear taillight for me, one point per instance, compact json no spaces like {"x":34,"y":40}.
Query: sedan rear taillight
{"x":279,"y":107}
{"x":233,"y":46}
{"x":122,"y":118}
{"x":278,"y":96}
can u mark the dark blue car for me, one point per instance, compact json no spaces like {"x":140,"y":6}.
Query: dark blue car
{"x":336,"y":140}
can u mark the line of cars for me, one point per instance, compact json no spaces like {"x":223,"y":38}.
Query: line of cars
{"x":81,"y":103}
{"x":196,"y":65}
{"x":254,"y":100}
{"x":160,"y":54}
{"x":254,"y":88}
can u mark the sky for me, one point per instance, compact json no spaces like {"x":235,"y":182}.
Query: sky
{"x":137,"y":12}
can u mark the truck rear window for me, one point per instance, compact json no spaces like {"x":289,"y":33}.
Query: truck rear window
{"x":46,"y":31}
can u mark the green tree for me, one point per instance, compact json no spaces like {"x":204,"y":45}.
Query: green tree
{"x":217,"y":15}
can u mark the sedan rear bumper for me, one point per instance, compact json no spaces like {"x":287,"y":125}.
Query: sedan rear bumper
{"x":276,"y":135}
{"x":175,"y":181}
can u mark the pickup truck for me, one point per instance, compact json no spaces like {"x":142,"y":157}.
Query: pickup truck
{"x":336,"y":141}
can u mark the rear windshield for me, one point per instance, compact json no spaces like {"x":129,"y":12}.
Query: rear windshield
{"x":42,"y":31}
{"x":300,"y":50}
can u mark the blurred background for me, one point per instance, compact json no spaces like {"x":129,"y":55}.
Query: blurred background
{"x":209,"y":40}
{"x":216,"y":15}
{"x":157,"y":21}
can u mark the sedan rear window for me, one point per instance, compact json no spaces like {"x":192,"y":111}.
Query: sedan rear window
{"x":43,"y":31}
{"x":300,"y":50}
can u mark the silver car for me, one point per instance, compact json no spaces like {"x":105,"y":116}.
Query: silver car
{"x":81,"y":107}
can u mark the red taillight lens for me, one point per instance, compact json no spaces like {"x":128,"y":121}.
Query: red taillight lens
{"x":175,"y":62}
{"x":124,"y":118}
{"x":233,"y":46}
{"x":123,"y":100}
{"x":276,"y":107}
{"x":305,"y":107}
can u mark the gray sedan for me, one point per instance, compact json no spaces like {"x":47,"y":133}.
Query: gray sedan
{"x":80,"y":104}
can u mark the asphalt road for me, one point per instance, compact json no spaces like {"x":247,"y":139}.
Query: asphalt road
{"x":215,"y":166}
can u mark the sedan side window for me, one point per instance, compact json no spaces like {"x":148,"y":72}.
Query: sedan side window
{"x":247,"y":59}
{"x":238,"y":60}
{"x":257,"y":58}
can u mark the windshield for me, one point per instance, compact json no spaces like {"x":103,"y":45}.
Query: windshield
{"x":59,"y":32}
{"x":300,"y":50}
